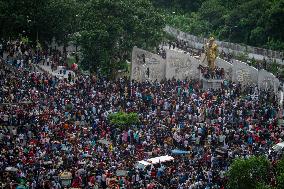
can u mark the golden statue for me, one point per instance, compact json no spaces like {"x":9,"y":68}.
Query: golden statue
{"x":211,"y":53}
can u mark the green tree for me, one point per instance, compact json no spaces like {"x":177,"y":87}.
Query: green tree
{"x":18,"y":17}
{"x":248,"y":173}
{"x":280,"y":174}
{"x":39,"y":19}
{"x":280,"y":166}
{"x":110,"y":29}
{"x":262,"y":186}
{"x":185,"y":5}
{"x":274,"y":25}
{"x":280,"y":181}
{"x":61,"y":19}
{"x":249,"y":22}
{"x":123,"y":120}
{"x":237,"y":21}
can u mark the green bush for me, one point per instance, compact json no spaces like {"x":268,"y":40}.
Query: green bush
{"x":123,"y":120}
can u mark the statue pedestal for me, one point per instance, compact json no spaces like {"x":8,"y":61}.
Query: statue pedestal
{"x":211,"y":83}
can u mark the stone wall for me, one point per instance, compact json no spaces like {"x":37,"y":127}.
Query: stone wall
{"x":147,"y":66}
{"x":243,"y":73}
{"x":181,"y":66}
{"x":267,"y":80}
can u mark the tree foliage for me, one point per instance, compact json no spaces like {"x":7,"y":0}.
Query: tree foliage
{"x":236,"y":21}
{"x":42,"y":19}
{"x":249,"y":173}
{"x":185,"y":5}
{"x":110,"y":29}
{"x":280,"y":174}
{"x":255,"y":173}
{"x":263,"y":186}
{"x":106,"y":30}
{"x":123,"y":120}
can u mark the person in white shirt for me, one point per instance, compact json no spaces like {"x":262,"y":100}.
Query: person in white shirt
{"x":14,"y":131}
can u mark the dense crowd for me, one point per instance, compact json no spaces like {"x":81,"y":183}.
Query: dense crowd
{"x":218,"y":73}
{"x":50,"y":126}
{"x":19,"y":54}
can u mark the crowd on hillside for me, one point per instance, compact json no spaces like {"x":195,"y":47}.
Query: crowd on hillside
{"x":50,"y":126}
{"x":20,"y":54}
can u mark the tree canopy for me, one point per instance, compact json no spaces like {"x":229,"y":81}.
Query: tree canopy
{"x":42,"y":19}
{"x":248,"y":173}
{"x":110,"y":29}
{"x":255,"y":173}
{"x":237,"y":21}
{"x":106,"y":30}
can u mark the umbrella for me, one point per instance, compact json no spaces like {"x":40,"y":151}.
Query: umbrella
{"x":179,"y":152}
{"x":47,"y":162}
{"x":278,"y":146}
{"x":20,"y":187}
{"x":11,"y":169}
{"x":65,"y":175}
{"x":121,"y":173}
{"x":87,"y":155}
{"x":104,"y":141}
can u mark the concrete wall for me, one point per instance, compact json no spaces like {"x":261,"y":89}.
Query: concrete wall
{"x":243,"y":73}
{"x":154,"y":63}
{"x":267,"y":80}
{"x":181,"y":66}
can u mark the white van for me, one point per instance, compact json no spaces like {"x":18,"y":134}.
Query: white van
{"x":152,"y":161}
{"x":278,"y":147}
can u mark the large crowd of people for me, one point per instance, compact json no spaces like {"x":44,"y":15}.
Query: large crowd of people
{"x":50,"y":126}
